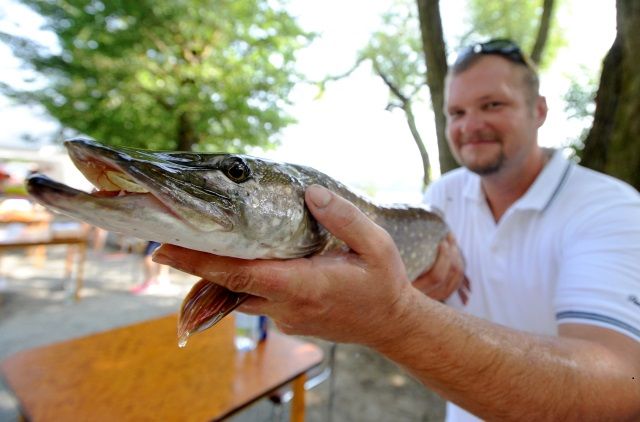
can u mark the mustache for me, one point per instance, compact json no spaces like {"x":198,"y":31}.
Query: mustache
{"x":481,"y":136}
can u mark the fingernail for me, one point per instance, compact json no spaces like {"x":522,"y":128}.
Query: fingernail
{"x":319,"y":196}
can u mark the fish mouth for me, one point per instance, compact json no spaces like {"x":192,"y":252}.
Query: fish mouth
{"x":128,"y":177}
{"x":53,"y":194}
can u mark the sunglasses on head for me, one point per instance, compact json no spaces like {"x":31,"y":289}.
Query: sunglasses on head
{"x":500,"y":47}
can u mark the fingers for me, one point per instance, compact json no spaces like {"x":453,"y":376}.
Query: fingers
{"x":446,"y":260}
{"x":235,"y":274}
{"x":464,"y":290}
{"x":447,"y":274}
{"x":346,"y":222}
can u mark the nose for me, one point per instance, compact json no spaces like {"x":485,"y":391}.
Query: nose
{"x":471,"y":122}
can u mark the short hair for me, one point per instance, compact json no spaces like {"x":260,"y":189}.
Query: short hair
{"x":506,"y":49}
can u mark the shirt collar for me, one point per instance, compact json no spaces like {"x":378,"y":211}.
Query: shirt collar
{"x":540,"y":194}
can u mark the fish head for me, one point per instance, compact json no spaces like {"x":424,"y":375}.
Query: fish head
{"x":231,"y":204}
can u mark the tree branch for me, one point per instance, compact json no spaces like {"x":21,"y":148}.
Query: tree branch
{"x":392,"y":87}
{"x":405,"y":105}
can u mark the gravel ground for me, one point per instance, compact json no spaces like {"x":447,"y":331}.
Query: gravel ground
{"x":36,"y":309}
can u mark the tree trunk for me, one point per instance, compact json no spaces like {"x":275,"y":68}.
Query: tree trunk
{"x":436,"y":60}
{"x":596,"y":145}
{"x":187,"y":137}
{"x":613,"y":144}
{"x":624,"y":152}
{"x":543,"y":31}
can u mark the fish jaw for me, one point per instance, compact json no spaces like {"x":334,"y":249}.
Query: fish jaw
{"x":139,"y":215}
{"x":132,"y":170}
{"x":142,"y":216}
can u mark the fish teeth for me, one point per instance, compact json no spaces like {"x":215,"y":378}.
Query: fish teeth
{"x":124,"y":182}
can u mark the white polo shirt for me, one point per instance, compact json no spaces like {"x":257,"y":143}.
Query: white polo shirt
{"x":566,"y":251}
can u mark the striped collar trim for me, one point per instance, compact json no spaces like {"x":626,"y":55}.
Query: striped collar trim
{"x":542,"y":192}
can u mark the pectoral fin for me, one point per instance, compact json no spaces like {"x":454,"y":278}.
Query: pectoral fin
{"x":204,"y":306}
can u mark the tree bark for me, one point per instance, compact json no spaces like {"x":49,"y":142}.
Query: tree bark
{"x":543,"y":31}
{"x":624,"y":152}
{"x":596,"y":145}
{"x":613,"y":143}
{"x":187,"y":137}
{"x":436,"y":60}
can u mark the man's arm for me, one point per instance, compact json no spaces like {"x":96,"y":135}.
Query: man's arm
{"x":364,"y":297}
{"x":587,"y":373}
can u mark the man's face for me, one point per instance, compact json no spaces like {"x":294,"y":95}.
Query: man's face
{"x":491,"y":122}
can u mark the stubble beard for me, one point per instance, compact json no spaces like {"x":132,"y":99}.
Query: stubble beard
{"x":488,"y":168}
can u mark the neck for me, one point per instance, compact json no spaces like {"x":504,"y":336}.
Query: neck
{"x":506,"y":186}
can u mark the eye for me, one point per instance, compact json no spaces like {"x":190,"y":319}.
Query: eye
{"x":492,"y":105}
{"x":236,"y":169}
{"x":455,"y":113}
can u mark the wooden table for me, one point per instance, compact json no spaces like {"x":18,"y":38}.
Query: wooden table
{"x":39,"y":234}
{"x":138,"y":373}
{"x":30,"y":216}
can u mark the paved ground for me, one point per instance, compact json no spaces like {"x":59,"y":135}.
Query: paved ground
{"x":35,"y":309}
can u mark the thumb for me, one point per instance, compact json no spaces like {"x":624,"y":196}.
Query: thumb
{"x":345,"y":221}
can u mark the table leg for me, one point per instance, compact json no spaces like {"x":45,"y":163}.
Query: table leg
{"x":68,"y":262}
{"x":39,"y":254}
{"x":82,"y":255}
{"x":297,"y":403}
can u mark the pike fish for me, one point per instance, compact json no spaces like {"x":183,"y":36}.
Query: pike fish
{"x":225,"y":204}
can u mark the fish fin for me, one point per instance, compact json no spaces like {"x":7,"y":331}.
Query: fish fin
{"x":204,"y":306}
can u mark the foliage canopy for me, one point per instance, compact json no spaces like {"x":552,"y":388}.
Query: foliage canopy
{"x":514,"y":19}
{"x":165,"y":74}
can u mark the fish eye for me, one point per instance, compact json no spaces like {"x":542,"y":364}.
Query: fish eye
{"x":236,"y":170}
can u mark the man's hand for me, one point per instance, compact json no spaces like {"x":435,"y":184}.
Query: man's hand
{"x":446,"y":275}
{"x":348,"y":297}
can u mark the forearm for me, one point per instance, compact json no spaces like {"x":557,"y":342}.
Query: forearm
{"x":499,"y":373}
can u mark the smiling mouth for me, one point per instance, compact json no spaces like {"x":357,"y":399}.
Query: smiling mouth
{"x":479,"y":141}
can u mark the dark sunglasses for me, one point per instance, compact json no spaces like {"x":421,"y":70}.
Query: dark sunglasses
{"x":501,"y":47}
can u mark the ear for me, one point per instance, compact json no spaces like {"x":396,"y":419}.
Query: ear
{"x":541,"y":110}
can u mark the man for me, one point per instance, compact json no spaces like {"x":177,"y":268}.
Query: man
{"x":551,"y":329}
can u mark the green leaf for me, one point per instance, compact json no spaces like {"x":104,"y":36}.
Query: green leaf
{"x":165,"y":74}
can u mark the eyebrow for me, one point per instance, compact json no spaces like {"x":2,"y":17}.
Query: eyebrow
{"x":485,"y":97}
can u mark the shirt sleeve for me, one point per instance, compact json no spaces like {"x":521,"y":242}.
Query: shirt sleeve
{"x":599,"y":277}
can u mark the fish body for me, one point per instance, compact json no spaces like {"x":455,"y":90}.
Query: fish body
{"x":226,"y":204}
